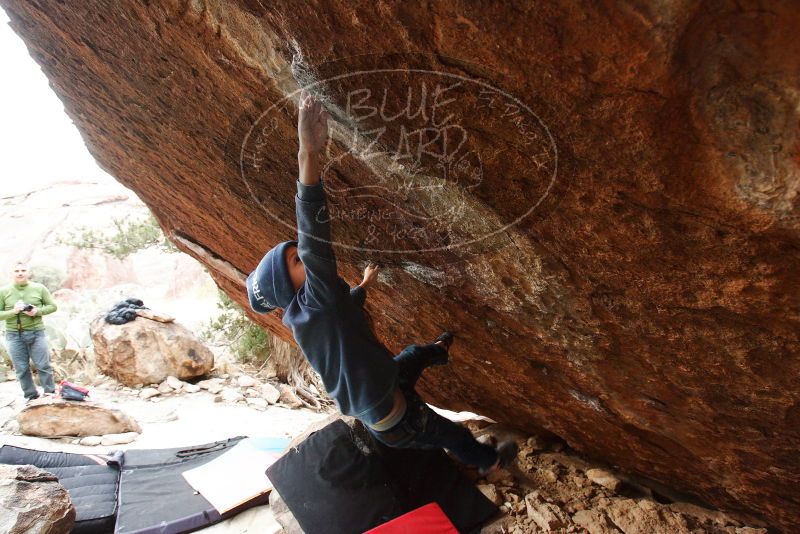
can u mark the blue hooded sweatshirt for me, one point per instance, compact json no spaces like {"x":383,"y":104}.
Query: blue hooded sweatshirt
{"x":326,"y":316}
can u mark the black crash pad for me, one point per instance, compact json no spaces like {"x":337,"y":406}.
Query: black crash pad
{"x":341,"y":480}
{"x":154,"y":498}
{"x":91,"y":481}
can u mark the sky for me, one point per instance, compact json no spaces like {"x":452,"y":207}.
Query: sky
{"x":39,"y":144}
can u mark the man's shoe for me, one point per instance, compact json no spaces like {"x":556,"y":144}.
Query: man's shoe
{"x":446,"y":339}
{"x":29,"y":400}
{"x":506,"y":455}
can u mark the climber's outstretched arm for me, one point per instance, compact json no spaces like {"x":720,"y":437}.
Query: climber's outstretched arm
{"x":313,"y":220}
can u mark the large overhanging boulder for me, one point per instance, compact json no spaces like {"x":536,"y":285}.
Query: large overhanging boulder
{"x":600,"y":198}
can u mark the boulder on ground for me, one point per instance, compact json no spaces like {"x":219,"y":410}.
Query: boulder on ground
{"x":33,"y":502}
{"x":147,"y":352}
{"x":80,"y":419}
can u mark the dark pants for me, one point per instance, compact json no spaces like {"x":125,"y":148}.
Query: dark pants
{"x":421,"y":427}
{"x":27,"y":346}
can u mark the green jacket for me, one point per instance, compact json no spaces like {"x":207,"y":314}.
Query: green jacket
{"x":31,"y":293}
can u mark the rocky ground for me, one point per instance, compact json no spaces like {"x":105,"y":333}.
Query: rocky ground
{"x":175,"y":413}
{"x":551,"y":490}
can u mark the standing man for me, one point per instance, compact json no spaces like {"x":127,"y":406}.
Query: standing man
{"x":22,"y":305}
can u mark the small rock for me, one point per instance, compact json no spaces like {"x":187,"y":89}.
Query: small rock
{"x":270,"y":393}
{"x":147,"y":393}
{"x":218,"y":398}
{"x":231,"y":395}
{"x":91,"y":441}
{"x":215,"y":388}
{"x":548,"y":516}
{"x":604,"y":478}
{"x":578,"y":505}
{"x":118,"y":439}
{"x":205,"y":384}
{"x":163,"y":387}
{"x":245,"y":381}
{"x":252,"y":392}
{"x":75,"y":441}
{"x":174,"y":382}
{"x":258,"y":403}
{"x":490,"y":491}
{"x":550,"y":475}
{"x":190,"y":388}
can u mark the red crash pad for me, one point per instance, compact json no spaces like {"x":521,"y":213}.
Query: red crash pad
{"x":429,"y":519}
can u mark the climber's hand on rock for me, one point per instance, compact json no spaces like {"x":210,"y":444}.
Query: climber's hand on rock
{"x":312,"y":124}
{"x":370,"y":274}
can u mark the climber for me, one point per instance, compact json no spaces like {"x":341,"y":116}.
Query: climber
{"x":329,"y":324}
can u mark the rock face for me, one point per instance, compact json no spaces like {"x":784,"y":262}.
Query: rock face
{"x":33,"y":502}
{"x":62,"y":418}
{"x":148,"y":352}
{"x":601,"y":200}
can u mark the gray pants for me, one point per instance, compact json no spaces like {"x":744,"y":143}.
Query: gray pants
{"x":26,"y":346}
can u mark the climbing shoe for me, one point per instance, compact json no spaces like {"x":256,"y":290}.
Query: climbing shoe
{"x":446,"y":339}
